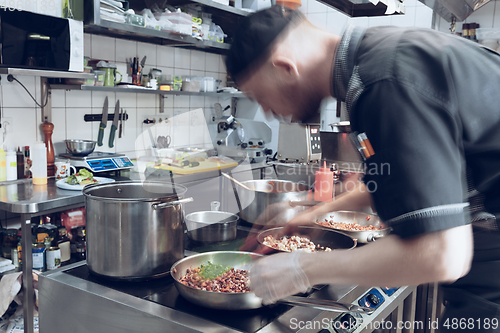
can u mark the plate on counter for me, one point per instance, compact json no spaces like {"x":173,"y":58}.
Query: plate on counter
{"x":61,"y":183}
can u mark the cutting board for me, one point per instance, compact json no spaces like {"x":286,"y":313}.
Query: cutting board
{"x":204,"y":166}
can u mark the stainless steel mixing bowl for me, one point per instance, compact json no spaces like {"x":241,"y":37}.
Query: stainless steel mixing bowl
{"x":80,"y":147}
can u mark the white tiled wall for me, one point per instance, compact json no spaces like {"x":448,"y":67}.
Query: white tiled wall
{"x":488,"y":16}
{"x":69,"y":107}
{"x":325,"y":17}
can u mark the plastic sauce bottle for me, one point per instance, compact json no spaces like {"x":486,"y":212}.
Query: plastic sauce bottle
{"x":20,"y":163}
{"x":39,"y":167}
{"x":3,"y":166}
{"x":27,"y":162}
{"x":11,"y":165}
{"x":323,"y":185}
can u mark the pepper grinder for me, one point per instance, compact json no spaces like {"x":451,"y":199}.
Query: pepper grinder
{"x":48,"y":129}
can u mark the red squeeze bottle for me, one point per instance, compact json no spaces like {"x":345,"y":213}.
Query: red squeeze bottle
{"x":323,"y":185}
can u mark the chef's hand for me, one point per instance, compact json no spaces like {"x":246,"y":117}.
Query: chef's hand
{"x":277,"y":276}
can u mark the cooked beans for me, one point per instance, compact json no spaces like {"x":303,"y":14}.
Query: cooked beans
{"x":346,"y":226}
{"x":293,"y":243}
{"x":232,"y":281}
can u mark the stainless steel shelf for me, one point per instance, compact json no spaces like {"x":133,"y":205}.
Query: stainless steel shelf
{"x":145,"y":91}
{"x":46,"y":73}
{"x":223,"y":9}
{"x":121,"y":30}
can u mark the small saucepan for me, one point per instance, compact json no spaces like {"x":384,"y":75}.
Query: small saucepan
{"x":379,"y":229}
{"x":211,"y":226}
{"x":319,"y":236}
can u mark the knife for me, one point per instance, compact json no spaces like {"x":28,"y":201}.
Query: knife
{"x":125,"y":116}
{"x":121,"y":124}
{"x":143,"y":62}
{"x":115,"y":124}
{"x":104,"y":120}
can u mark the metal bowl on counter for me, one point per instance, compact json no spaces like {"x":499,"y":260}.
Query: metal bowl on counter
{"x":80,"y":147}
{"x":259,"y":196}
{"x":211,"y":226}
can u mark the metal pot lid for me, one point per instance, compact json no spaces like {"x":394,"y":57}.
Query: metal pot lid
{"x":127,"y":191}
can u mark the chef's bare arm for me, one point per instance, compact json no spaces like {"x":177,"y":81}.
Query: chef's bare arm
{"x":441,"y":256}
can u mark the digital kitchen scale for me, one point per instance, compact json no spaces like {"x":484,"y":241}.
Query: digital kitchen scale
{"x":99,"y":161}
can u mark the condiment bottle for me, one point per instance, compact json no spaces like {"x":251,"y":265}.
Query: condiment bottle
{"x":3,"y":166}
{"x":20,"y":163}
{"x":27,"y":162}
{"x":39,"y":167}
{"x":323,"y":184}
{"x":81,"y":243}
{"x":11,"y":167}
{"x":63,"y":244}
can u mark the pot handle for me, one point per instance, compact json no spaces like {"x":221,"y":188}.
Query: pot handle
{"x":308,"y":203}
{"x":157,"y":206}
{"x":325,"y":304}
{"x":373,"y":237}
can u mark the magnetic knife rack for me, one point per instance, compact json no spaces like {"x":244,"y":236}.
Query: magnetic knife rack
{"x":98,"y":117}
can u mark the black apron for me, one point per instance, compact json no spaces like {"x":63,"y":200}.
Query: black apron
{"x":473,"y":302}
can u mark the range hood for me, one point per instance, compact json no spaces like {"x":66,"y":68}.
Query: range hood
{"x":454,"y":10}
{"x":356,"y":8}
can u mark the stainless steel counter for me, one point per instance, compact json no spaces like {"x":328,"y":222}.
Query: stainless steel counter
{"x":31,"y":201}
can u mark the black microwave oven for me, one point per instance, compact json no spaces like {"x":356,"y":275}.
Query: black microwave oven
{"x":37,"y":41}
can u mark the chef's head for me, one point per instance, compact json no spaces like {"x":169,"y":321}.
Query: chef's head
{"x":273,"y":59}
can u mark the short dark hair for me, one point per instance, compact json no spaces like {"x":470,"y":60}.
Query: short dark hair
{"x":254,"y":36}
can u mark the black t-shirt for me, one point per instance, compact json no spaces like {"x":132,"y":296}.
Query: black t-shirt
{"x":429,"y":103}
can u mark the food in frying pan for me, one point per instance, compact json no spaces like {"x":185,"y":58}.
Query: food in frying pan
{"x":347,"y":226}
{"x":217,"y":278}
{"x":294,"y":243}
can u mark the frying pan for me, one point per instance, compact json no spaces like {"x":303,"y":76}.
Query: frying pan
{"x":241,"y":301}
{"x":319,"y":236}
{"x":365,"y":236}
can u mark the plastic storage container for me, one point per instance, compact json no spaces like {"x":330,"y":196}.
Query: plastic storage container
{"x":39,"y":166}
{"x":11,"y":165}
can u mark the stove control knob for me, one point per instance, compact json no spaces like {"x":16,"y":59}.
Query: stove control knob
{"x":219,"y":142}
{"x":268,"y":151}
{"x":373,"y":299}
{"x":261,"y":143}
{"x":244,"y":145}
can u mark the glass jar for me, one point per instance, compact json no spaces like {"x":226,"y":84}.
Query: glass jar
{"x":9,"y":242}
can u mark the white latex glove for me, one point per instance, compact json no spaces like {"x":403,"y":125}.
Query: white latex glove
{"x":278,"y":276}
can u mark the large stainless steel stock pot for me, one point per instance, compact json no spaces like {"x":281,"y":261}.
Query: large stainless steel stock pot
{"x":134,"y":229}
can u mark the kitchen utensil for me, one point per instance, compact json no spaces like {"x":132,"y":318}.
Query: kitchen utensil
{"x":104,"y":120}
{"x":134,"y":228}
{"x":211,"y":226}
{"x":143,"y":63}
{"x":125,"y":114}
{"x":115,"y":124}
{"x":263,"y":193}
{"x":164,"y":141}
{"x":120,"y":129}
{"x":319,"y":236}
{"x":241,"y":301}
{"x":363,"y":219}
{"x":305,"y":203}
{"x":80,"y":147}
{"x":234,"y":180}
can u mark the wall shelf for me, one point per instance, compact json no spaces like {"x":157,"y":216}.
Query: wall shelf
{"x":46,"y":73}
{"x":122,"y":30}
{"x":138,"y":90}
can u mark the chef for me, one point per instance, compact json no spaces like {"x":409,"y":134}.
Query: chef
{"x":428,"y":103}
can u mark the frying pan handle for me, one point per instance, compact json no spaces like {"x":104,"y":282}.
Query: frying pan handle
{"x":157,"y":206}
{"x":373,"y":237}
{"x":308,"y":203}
{"x":324,"y":304}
